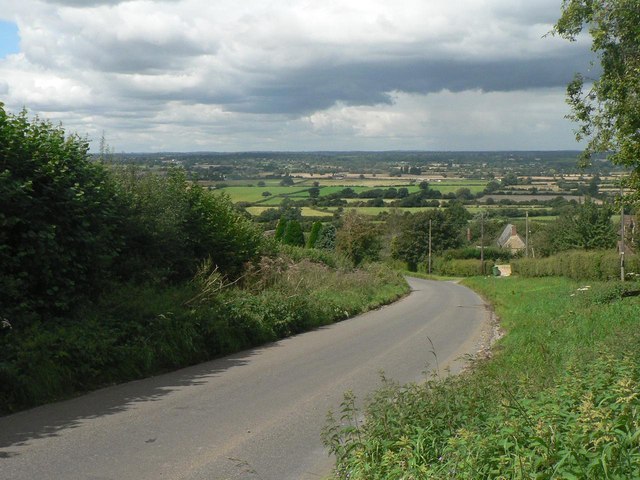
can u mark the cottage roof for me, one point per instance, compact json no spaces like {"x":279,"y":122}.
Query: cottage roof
{"x":507,"y":233}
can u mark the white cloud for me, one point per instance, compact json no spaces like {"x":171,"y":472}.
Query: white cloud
{"x":253,"y":74}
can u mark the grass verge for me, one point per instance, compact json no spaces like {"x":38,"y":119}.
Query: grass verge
{"x":140,"y":330}
{"x":559,"y":399}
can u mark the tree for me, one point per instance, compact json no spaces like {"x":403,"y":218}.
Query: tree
{"x":314,"y":235}
{"x":327,"y":238}
{"x":280,"y":228}
{"x":412,"y":244}
{"x":607,"y":113}
{"x":464,"y":193}
{"x":289,"y":211}
{"x":287,"y":181}
{"x":491,"y":187}
{"x":314,"y":192}
{"x":358,"y":239}
{"x":593,"y":187}
{"x":403,"y":192}
{"x":293,"y":234}
{"x":586,"y":227}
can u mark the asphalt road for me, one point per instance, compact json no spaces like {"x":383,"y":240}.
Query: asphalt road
{"x":254,"y":415}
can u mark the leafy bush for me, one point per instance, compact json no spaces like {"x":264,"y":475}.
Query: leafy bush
{"x":358,"y":240}
{"x":327,"y":238}
{"x":138,"y":330}
{"x":315,"y":233}
{"x":172,"y":225}
{"x":59,"y":219}
{"x":293,"y":234}
{"x":469,"y":253}
{"x":462,"y":268}
{"x":612,"y":291}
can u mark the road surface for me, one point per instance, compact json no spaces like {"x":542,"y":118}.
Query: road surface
{"x":254,"y":415}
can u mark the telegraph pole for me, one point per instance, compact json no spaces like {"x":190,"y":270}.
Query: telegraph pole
{"x":482,"y":241}
{"x":621,"y":232}
{"x":429,"y":246}
{"x":526,"y":234}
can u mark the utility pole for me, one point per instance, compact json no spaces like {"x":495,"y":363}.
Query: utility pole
{"x":482,"y":241}
{"x":621,"y":232}
{"x":429,"y":246}
{"x":526,"y":234}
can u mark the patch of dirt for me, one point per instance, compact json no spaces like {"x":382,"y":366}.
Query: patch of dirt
{"x":491,"y":332}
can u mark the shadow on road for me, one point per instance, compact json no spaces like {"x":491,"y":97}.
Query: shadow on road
{"x":50,"y":420}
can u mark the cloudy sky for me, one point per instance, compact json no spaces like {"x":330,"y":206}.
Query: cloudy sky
{"x":234,"y":75}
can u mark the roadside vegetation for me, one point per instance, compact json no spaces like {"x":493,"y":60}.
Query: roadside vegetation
{"x":559,"y":399}
{"x":113,"y":273}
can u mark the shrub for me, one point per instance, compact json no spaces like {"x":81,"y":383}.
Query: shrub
{"x":578,"y":265}
{"x":172,"y":225}
{"x":315,"y":233}
{"x":59,"y":218}
{"x":293,"y":234}
{"x":462,"y":268}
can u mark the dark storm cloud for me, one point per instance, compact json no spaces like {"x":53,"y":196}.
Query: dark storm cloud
{"x":373,"y":68}
{"x":140,"y":56}
{"x":369,"y":83}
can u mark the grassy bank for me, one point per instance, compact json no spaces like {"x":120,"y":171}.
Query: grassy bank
{"x":559,"y":399}
{"x":140,"y":330}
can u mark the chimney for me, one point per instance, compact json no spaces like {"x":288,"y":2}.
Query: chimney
{"x":513,"y":231}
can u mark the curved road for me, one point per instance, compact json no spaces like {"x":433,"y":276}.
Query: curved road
{"x":254,"y":415}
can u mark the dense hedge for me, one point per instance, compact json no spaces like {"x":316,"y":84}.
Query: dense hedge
{"x":462,"y":268}
{"x":70,"y":228}
{"x":578,"y":265}
{"x":138,"y":330}
{"x":59,"y":220}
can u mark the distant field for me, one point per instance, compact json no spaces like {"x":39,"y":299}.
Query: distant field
{"x":528,"y":198}
{"x":254,"y":194}
{"x":306,"y":211}
{"x":327,"y":187}
{"x":451,"y":186}
{"x":357,"y":182}
{"x":373,"y":211}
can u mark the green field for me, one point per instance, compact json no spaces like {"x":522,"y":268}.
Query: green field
{"x":373,"y":211}
{"x":451,"y":186}
{"x":306,"y":211}
{"x":254,"y":194}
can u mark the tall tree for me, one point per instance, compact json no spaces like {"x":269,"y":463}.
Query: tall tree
{"x":327,"y":238}
{"x":358,"y":239}
{"x":293,"y":234}
{"x":412,"y":244}
{"x":587,"y":227}
{"x":608,"y":110}
{"x":315,"y":233}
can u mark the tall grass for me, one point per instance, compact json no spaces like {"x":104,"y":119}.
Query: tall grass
{"x":559,"y":399}
{"x":139,"y":330}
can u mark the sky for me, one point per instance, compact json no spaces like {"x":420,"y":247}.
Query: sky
{"x":229,"y":75}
